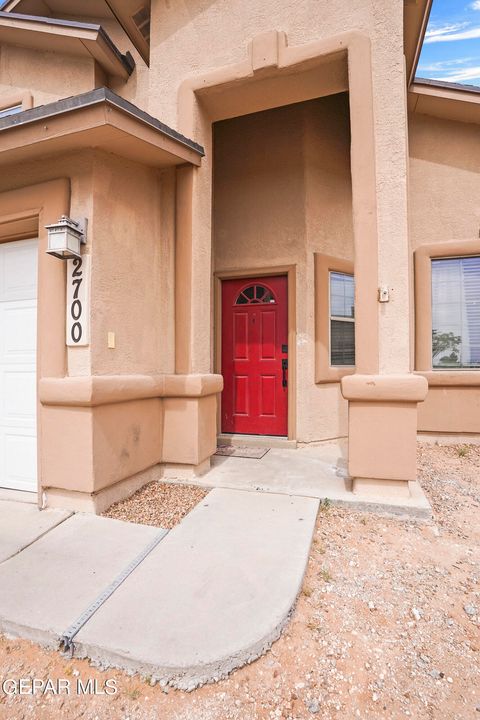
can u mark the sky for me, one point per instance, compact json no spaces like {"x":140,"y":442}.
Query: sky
{"x":451,"y":49}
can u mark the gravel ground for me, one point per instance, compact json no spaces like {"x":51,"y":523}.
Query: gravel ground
{"x":159,"y":504}
{"x":387,"y":626}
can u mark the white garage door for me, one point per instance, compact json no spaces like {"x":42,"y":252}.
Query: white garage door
{"x":18,"y":335}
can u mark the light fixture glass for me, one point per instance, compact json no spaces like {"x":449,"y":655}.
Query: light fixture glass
{"x":65,"y":238}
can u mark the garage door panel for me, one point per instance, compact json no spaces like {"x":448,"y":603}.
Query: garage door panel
{"x":18,"y":271}
{"x":20,"y":466}
{"x":18,"y":397}
{"x":19,"y":332}
{"x":18,"y":339}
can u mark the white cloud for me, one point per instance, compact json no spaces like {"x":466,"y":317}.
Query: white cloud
{"x":445,"y":29}
{"x":452,"y":36}
{"x":446,"y":64}
{"x":461,"y":76}
{"x":475,"y":5}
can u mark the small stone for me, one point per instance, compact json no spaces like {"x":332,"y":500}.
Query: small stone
{"x":435,"y":674}
{"x":416,"y":614}
{"x":371,"y":605}
{"x":471,"y":610}
{"x":313,"y":706}
{"x":375,"y":697}
{"x":449,"y":680}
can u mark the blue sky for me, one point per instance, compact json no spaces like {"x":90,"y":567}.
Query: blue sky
{"x":451,"y":49}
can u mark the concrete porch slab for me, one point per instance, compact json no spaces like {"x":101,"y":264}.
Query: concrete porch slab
{"x":213,"y":595}
{"x":44,"y":588}
{"x":318,"y":471}
{"x":21,"y":523}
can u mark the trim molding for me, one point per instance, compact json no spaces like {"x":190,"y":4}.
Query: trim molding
{"x":94,"y":390}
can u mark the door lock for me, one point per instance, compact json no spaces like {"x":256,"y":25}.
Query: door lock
{"x":284,"y":372}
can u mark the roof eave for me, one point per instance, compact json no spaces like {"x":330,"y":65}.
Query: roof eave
{"x":93,"y":38}
{"x":100,"y":119}
{"x":416,"y":17}
{"x":449,"y":101}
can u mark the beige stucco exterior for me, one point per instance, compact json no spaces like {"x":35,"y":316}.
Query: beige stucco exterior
{"x":311,"y":163}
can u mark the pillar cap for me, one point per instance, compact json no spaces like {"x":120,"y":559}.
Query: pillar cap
{"x":385,"y":388}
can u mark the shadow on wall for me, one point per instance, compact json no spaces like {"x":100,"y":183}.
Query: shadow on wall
{"x":175,"y":15}
{"x":444,"y":142}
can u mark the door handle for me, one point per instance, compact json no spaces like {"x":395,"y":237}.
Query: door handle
{"x":284,"y":372}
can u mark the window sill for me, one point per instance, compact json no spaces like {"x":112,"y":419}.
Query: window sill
{"x":451,"y":378}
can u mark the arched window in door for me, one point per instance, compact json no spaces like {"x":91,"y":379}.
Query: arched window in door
{"x":255,"y":295}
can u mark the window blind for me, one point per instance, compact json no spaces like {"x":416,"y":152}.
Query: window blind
{"x":456,"y":312}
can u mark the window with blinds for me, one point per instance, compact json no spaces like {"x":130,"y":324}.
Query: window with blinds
{"x":456,"y":313}
{"x":342,"y":319}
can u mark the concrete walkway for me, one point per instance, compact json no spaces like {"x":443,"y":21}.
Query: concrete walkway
{"x":22,"y":523}
{"x":318,"y":471}
{"x":211,"y":596}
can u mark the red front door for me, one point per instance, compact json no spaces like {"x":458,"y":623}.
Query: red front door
{"x":254,"y":356}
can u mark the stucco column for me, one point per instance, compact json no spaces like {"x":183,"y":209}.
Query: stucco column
{"x":383,"y":393}
{"x":190,"y":432}
{"x":193,"y":267}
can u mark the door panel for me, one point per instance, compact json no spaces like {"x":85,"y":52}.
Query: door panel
{"x":18,"y":336}
{"x":254,"y":329}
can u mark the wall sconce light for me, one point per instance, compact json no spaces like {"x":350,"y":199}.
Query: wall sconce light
{"x":65,"y":237}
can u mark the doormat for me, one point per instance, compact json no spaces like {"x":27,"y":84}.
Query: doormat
{"x":241,"y":451}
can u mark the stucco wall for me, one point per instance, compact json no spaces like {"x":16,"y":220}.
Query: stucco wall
{"x":445,"y":206}
{"x":132,"y":274}
{"x":282,"y":191}
{"x":136,"y":88}
{"x":131,"y":237}
{"x":47,"y":76}
{"x":444,"y":180}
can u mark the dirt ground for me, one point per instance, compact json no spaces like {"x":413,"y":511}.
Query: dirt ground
{"x":387,"y":626}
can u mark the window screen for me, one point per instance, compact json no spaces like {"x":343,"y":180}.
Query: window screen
{"x":342,"y":319}
{"x":456,"y":313}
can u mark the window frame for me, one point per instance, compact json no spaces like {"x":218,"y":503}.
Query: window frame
{"x":423,"y":257}
{"x":337,"y":318}
{"x":324,"y":265}
{"x":24,"y":100}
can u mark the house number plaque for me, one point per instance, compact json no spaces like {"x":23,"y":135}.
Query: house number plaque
{"x":78,"y":301}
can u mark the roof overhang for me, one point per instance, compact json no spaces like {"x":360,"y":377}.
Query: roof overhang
{"x":97,"y":119}
{"x":415,"y":20}
{"x":62,"y":36}
{"x":445,"y":100}
{"x":123,"y":10}
{"x":431,"y":97}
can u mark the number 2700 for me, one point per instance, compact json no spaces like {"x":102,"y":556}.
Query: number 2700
{"x":76,"y":305}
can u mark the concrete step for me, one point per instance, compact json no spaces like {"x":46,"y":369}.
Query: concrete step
{"x":260,"y":441}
